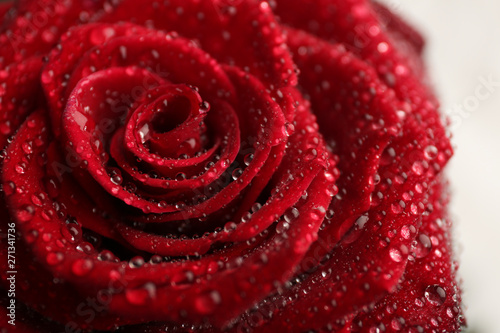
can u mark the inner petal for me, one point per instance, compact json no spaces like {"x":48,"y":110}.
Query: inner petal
{"x":170,"y":123}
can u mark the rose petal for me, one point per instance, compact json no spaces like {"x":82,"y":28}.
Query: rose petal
{"x":232,"y":28}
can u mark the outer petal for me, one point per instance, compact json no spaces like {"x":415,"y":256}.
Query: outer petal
{"x":243,"y":25}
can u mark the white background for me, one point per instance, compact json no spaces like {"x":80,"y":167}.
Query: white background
{"x":464,"y":45}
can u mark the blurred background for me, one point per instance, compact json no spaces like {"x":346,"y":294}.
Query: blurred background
{"x":463,"y":57}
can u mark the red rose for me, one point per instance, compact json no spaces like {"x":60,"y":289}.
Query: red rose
{"x":221,"y":165}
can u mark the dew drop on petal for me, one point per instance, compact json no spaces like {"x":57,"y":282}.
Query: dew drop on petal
{"x":310,"y":154}
{"x":54,"y":258}
{"x":71,"y":232}
{"x":430,"y":152}
{"x":396,"y":208}
{"x":47,"y":76}
{"x":288,"y":129}
{"x":48,"y":214}
{"x":207,"y":302}
{"x":248,"y":159}
{"x":418,"y":168}
{"x":397,"y":324}
{"x":31,"y":236}
{"x":144,"y":133}
{"x":204,"y":107}
{"x":20,"y":169}
{"x":25,"y":214}
{"x":435,"y":295}
{"x":136,"y":262}
{"x":141,"y":296}
{"x":116,"y":179}
{"x":396,"y":255}
{"x":9,"y":188}
{"x":5,"y":128}
{"x":405,"y":232}
{"x":156,"y":259}
{"x":229,"y":226}
{"x":123,"y":52}
{"x":82,"y":267}
{"x":291,"y":214}
{"x":256,"y":207}
{"x":282,"y":226}
{"x":424,"y":246}
{"x":361,"y":221}
{"x":237,"y":173}
{"x":180,"y":176}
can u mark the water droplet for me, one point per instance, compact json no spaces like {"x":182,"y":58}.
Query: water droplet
{"x":156,"y":259}
{"x":144,"y":133}
{"x":282,"y":227}
{"x":396,"y":208}
{"x":248,"y":159}
{"x":180,"y":176}
{"x":361,"y":221}
{"x":424,"y":246}
{"x":54,"y":258}
{"x":418,"y":168}
{"x":256,"y":207}
{"x":246,"y":217}
{"x":130,"y":187}
{"x":9,"y":188}
{"x":20,"y":168}
{"x":123,"y":52}
{"x":375,"y":179}
{"x":395,"y":255}
{"x":47,"y":76}
{"x":183,"y":277}
{"x":405,"y":232}
{"x":71,"y":232}
{"x":5,"y":127}
{"x":207,"y":302}
{"x":237,"y":173}
{"x":317,"y":213}
{"x":114,"y":275}
{"x":136,"y":262}
{"x":37,"y":199}
{"x":31,"y":236}
{"x":331,"y":190}
{"x":310,"y":154}
{"x":291,"y":214}
{"x":106,"y":255}
{"x":209,"y":165}
{"x":99,"y":36}
{"x":155,"y":54}
{"x":435,"y":295}
{"x":229,"y":226}
{"x":116,"y":179}
{"x":47,"y":214}
{"x":430,"y":152}
{"x":25,"y":214}
{"x":398,"y":323}
{"x":383,"y":47}
{"x":288,"y":129}
{"x":27,"y":147}
{"x":204,"y":107}
{"x":82,"y":267}
{"x":142,"y":295}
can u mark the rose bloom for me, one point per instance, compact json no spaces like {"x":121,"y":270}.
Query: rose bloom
{"x":221,"y":165}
